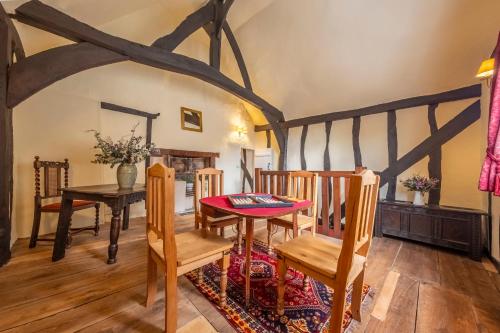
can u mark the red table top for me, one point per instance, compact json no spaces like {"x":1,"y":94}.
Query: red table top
{"x":222,"y":203}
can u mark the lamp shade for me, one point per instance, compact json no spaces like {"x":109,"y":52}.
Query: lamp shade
{"x":486,"y":69}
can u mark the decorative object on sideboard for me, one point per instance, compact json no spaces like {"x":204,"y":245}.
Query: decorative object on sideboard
{"x":191,"y":120}
{"x":420,"y":185}
{"x":126,"y":152}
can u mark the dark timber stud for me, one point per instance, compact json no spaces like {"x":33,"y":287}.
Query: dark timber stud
{"x":356,"y":127}
{"x":303,"y":137}
{"x":434,"y":165}
{"x":392,"y":144}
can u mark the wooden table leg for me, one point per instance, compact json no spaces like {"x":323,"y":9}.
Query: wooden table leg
{"x":204,"y":223}
{"x":114,"y":234}
{"x":248,"y":262}
{"x":295,"y":225}
{"x":126,"y":213}
{"x":62,"y":228}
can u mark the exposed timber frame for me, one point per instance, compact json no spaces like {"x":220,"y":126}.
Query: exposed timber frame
{"x":429,"y":147}
{"x":25,"y":76}
{"x":149,"y":119}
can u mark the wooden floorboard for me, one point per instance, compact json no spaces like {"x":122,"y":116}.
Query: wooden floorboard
{"x":402,"y":311}
{"x":443,"y":310}
{"x":436,"y":290}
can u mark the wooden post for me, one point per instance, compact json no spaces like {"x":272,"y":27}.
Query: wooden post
{"x":392,"y":140}
{"x":6,"y":142}
{"x":257,"y":180}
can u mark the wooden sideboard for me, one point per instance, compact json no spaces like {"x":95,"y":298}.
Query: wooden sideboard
{"x":451,"y":227}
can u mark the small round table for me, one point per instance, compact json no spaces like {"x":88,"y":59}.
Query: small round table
{"x":221,"y":206}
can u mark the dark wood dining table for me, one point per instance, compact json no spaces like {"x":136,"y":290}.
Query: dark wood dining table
{"x":117,"y":199}
{"x":220,"y":206}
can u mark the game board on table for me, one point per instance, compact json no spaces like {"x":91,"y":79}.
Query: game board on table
{"x":258,"y":201}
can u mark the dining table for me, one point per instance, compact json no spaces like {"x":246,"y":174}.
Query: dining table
{"x":219,"y":206}
{"x":117,"y":199}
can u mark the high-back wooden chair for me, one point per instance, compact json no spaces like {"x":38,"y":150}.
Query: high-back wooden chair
{"x":302,"y":185}
{"x":177,"y":254}
{"x":209,"y":182}
{"x":52,"y":184}
{"x":337,"y":266}
{"x":271,"y":181}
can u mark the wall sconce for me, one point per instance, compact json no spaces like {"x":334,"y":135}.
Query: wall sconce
{"x":241,"y":131}
{"x":485,"y":71}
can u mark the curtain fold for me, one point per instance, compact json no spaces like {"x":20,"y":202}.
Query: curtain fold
{"x":490,"y":173}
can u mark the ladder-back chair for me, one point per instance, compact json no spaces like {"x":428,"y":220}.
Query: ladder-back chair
{"x":52,"y":184}
{"x":337,"y":266}
{"x":177,"y":254}
{"x":302,"y":185}
{"x":209,"y":182}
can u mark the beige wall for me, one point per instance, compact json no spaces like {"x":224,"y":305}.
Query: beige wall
{"x":52,"y":123}
{"x":314,"y":57}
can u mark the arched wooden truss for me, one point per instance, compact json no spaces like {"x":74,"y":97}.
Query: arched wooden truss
{"x":21,"y":77}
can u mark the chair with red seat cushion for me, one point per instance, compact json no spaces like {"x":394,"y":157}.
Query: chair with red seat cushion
{"x":52,"y":184}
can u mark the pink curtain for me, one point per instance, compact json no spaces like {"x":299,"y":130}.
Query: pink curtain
{"x":490,"y":173}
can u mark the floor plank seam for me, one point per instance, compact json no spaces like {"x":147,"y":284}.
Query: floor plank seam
{"x":396,"y":256}
{"x":69,"y":309}
{"x":416,"y":308}
{"x":63,"y":291}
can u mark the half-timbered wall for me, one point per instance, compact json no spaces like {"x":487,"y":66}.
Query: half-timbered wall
{"x":344,"y":55}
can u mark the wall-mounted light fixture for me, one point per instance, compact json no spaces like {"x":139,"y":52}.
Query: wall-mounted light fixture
{"x":241,"y":130}
{"x":485,"y":71}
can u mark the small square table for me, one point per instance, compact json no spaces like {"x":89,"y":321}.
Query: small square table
{"x":117,"y":199}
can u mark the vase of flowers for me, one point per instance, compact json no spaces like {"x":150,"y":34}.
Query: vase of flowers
{"x":126,"y":153}
{"x":420,"y":185}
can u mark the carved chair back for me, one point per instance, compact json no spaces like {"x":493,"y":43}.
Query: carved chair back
{"x":208,"y":182}
{"x":304,"y":185}
{"x":160,"y":209}
{"x":52,"y":177}
{"x":360,"y":214}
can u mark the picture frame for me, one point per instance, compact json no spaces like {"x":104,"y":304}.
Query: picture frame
{"x":191,"y":120}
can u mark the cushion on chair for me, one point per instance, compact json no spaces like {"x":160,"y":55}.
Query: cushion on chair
{"x":192,"y":246}
{"x":302,"y":220}
{"x":318,"y":254}
{"x":56,"y":206}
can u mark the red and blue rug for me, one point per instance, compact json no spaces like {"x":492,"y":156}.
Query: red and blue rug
{"x":305,"y":312}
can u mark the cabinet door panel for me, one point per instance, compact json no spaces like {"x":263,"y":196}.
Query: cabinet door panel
{"x":391,"y":222}
{"x":421,"y":225}
{"x":454,"y":231}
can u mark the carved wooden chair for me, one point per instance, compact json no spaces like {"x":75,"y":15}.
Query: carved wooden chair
{"x":52,"y":184}
{"x":302,"y":185}
{"x":209,"y":182}
{"x":337,"y":266}
{"x":177,"y":254}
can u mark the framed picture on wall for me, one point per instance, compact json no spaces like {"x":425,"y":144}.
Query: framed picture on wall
{"x":191,"y":120}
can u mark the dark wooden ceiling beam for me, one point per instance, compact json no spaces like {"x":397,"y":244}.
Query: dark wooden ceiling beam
{"x":47,"y":18}
{"x":448,"y":96}
{"x":32,"y":74}
{"x":237,"y":54}
{"x":57,"y":22}
{"x":192,"y":23}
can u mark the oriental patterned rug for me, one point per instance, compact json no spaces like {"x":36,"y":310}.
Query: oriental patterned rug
{"x":307,"y":311}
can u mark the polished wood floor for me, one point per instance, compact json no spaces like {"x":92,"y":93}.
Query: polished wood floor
{"x":417,"y":289}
